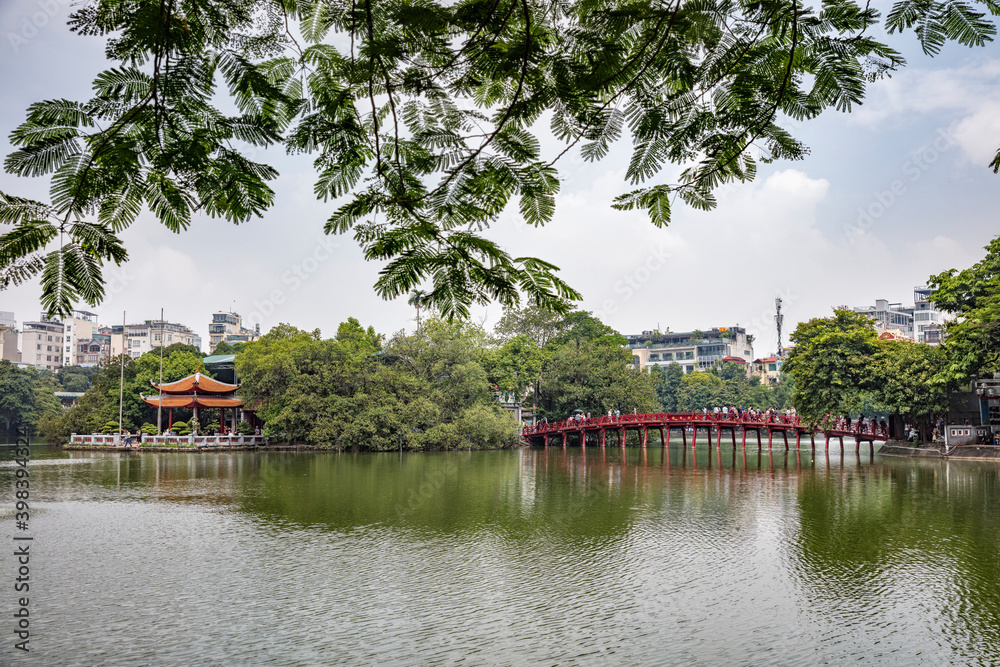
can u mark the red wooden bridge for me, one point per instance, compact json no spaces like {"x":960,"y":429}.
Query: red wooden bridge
{"x":720,"y":423}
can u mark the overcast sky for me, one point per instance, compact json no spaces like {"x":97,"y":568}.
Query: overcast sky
{"x":891,"y":193}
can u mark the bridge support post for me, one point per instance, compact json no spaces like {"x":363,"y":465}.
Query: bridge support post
{"x":770,"y":436}
{"x":664,"y":442}
{"x":744,"y":437}
{"x":841,"y":445}
{"x":732,"y":434}
{"x":812,"y":441}
{"x":857,"y":444}
{"x":694,"y":436}
{"x":757,"y":431}
{"x":684,"y":436}
{"x":583,"y":438}
{"x":798,"y":439}
{"x":564,"y":439}
{"x":784,"y":436}
{"x":718,"y":437}
{"x":871,"y":448}
{"x":621,"y":438}
{"x":826,"y":440}
{"x":645,"y":436}
{"x":601,"y":437}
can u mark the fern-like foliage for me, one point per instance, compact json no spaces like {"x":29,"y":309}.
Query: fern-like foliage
{"x":420,"y":116}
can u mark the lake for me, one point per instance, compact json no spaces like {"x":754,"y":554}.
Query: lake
{"x":515,"y":557}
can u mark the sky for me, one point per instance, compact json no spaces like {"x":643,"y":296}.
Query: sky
{"x":891,"y":193}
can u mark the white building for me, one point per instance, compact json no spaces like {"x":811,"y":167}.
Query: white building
{"x":80,"y":327}
{"x":228,"y":327}
{"x":692,"y":350}
{"x":9,"y":337}
{"x":920,"y":322}
{"x":42,"y":343}
{"x":151,"y":335}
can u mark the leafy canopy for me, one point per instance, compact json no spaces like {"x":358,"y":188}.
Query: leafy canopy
{"x":421,"y":116}
{"x":972,"y":342}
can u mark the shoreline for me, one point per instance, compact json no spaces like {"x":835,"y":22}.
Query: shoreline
{"x":214,"y":448}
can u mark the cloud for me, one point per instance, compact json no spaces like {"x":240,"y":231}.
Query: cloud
{"x":965,"y":98}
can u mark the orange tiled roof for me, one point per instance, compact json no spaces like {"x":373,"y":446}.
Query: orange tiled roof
{"x":196,"y":384}
{"x":194,"y":401}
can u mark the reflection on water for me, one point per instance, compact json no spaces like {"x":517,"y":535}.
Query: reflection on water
{"x":550,"y":556}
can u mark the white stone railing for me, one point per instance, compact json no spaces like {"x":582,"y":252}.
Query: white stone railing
{"x":114,"y":440}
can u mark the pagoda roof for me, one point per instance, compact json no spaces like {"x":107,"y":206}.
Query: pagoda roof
{"x":195,"y":384}
{"x":193,"y":401}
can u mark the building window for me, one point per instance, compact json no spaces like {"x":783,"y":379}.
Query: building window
{"x":772,"y":367}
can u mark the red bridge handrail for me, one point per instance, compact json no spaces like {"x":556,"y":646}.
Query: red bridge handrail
{"x":840,"y":427}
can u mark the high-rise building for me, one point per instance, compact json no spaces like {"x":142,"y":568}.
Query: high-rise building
{"x":228,"y":327}
{"x":80,"y":327}
{"x":42,"y":343}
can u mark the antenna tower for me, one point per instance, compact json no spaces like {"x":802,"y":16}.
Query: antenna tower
{"x":778,"y":319}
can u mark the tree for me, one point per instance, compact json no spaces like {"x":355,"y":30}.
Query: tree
{"x":972,"y":342}
{"x":538,"y":324}
{"x":417,"y":298}
{"x":515,"y":366}
{"x":223,"y":348}
{"x":700,"y":390}
{"x":17,"y":396}
{"x":830,"y":363}
{"x":594,"y":377}
{"x":667,"y":379}
{"x":422,"y":122}
{"x":901,"y":383}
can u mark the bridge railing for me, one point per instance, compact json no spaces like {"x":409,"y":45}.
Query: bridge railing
{"x":730,"y":419}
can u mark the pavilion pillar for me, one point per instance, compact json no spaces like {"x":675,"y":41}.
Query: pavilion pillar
{"x":232,"y":418}
{"x":222,"y":418}
{"x":170,"y":419}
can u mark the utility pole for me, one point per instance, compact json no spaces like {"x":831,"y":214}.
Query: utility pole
{"x":778,"y":318}
{"x":159,"y":405}
{"x":121,"y":387}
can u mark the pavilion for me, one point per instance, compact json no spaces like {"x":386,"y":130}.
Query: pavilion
{"x":194,"y":392}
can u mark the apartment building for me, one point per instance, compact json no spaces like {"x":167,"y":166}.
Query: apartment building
{"x":42,"y":343}
{"x":920,"y":322}
{"x":692,"y":350}
{"x":9,"y":337}
{"x":150,"y":335}
{"x":228,"y":327}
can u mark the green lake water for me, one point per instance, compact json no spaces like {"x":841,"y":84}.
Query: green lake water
{"x":505,"y":558}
